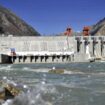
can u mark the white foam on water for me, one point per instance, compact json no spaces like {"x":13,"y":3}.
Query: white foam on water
{"x":26,"y":68}
{"x":25,"y":86}
{"x":6,"y":67}
{"x":98,"y":74}
{"x":4,"y":78}
{"x":89,"y":66}
{"x":73,"y":72}
{"x":8,"y":102}
{"x":35,"y":70}
{"x":33,"y":96}
{"x":41,"y":70}
{"x":46,"y":70}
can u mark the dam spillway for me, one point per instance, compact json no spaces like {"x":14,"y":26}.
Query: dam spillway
{"x":52,"y":49}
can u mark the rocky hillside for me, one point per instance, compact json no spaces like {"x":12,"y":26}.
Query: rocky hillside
{"x":99,"y":28}
{"x":12,"y":24}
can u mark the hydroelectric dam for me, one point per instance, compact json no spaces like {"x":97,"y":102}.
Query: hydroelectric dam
{"x":51,"y":49}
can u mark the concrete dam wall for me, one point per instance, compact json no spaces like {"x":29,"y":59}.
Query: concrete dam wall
{"x":53,"y":49}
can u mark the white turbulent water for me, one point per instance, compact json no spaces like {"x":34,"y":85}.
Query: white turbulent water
{"x":29,"y":96}
{"x":81,"y":84}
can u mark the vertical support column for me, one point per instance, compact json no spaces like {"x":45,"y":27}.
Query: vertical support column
{"x":24,"y":58}
{"x":95,"y":42}
{"x":20,"y":59}
{"x":54,"y":58}
{"x":91,"y":47}
{"x":17,"y":59}
{"x":66,"y":58}
{"x":43,"y":59}
{"x":72,"y":58}
{"x":63,"y":58}
{"x":37,"y":59}
{"x":13,"y":59}
{"x":0,"y":58}
{"x":32,"y":59}
{"x":75,"y":46}
{"x":98,"y":48}
{"x":69,"y":58}
{"x":46,"y":58}
{"x":50,"y":58}
{"x":103,"y":48}
{"x":82,"y":47}
{"x":27,"y":60}
{"x":60,"y":58}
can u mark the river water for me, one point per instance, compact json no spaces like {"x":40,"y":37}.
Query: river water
{"x":81,"y":83}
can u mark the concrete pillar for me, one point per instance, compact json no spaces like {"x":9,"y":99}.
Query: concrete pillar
{"x":54,"y":58}
{"x":60,"y":58}
{"x":27,"y":60}
{"x":46,"y":58}
{"x":78,"y":46}
{"x":32,"y":59}
{"x":0,"y":58}
{"x":14,"y":59}
{"x":20,"y":59}
{"x":103,"y":49}
{"x":98,"y":48}
{"x":50,"y":58}
{"x":37,"y":59}
{"x":24,"y":58}
{"x":17,"y":59}
{"x":42,"y":59}
{"x":82,"y":47}
{"x":68,"y":58}
{"x":64,"y":58}
{"x":90,"y":44}
{"x":72,"y":58}
{"x":75,"y":46}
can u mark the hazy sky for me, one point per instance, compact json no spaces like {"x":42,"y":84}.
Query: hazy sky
{"x":53,"y":16}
